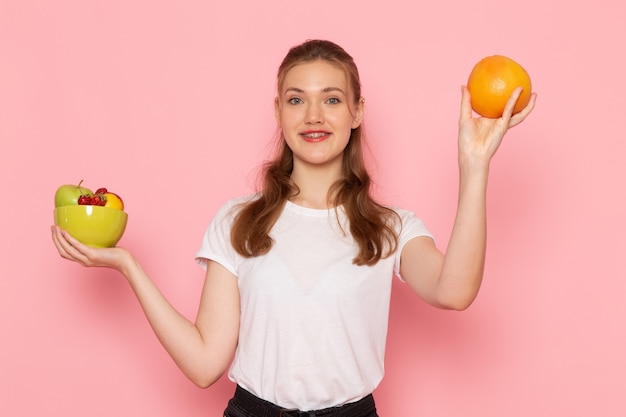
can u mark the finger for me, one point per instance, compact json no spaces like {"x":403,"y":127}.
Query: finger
{"x":57,"y":240}
{"x":70,"y":248}
{"x":64,"y":247}
{"x":519,"y":117}
{"x":466,"y":105}
{"x":510,"y":104}
{"x":79,"y":251}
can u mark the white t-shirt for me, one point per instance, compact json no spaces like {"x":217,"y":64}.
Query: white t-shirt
{"x":313,"y":325}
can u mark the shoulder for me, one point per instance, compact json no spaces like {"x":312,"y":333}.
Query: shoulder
{"x":232,"y":206}
{"x":408,"y":224}
{"x":403,"y":215}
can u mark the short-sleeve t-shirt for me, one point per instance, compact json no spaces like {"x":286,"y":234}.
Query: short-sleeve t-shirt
{"x":313,"y":325}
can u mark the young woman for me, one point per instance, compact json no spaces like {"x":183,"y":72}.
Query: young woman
{"x":298,"y":276}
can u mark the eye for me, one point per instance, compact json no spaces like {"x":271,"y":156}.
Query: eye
{"x":294,"y":100}
{"x":333,"y":100}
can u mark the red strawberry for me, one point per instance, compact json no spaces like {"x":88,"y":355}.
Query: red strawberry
{"x":101,"y":191}
{"x":96,"y":200}
{"x":84,"y":200}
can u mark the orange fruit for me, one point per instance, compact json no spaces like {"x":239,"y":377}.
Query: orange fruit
{"x":491,"y":83}
{"x":114,"y":201}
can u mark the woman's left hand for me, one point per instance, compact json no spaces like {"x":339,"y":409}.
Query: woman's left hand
{"x":479,"y":138}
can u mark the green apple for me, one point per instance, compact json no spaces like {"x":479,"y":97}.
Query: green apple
{"x":67,"y":195}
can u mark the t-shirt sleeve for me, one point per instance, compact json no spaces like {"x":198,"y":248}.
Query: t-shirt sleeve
{"x":410,"y":227}
{"x":216,"y":244}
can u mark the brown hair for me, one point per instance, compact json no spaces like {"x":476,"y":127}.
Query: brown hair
{"x":371,"y":224}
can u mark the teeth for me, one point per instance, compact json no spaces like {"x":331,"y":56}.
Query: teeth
{"x":315,"y":135}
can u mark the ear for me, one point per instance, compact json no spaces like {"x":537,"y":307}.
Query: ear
{"x":359,"y":113}
{"x":277,"y":110}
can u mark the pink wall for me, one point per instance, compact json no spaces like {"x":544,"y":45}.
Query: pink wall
{"x":171,"y":106}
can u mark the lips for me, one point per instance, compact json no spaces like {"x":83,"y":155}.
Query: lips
{"x":315,"y":135}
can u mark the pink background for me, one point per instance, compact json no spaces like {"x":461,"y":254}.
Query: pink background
{"x":170,"y":105}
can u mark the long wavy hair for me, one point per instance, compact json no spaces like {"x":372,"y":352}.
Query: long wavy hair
{"x":371,"y":224}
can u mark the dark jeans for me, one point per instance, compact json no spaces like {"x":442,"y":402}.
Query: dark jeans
{"x":245,"y":404}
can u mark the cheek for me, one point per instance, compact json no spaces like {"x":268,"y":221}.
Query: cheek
{"x":286,"y":117}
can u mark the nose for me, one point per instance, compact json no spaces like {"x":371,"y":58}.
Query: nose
{"x":314,"y":114}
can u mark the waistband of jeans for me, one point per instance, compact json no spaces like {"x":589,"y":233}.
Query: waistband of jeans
{"x":263,"y":408}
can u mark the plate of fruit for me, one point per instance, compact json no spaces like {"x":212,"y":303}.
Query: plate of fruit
{"x":96,"y":219}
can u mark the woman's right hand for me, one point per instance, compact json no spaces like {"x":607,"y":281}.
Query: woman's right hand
{"x":70,"y":248}
{"x":204,"y":349}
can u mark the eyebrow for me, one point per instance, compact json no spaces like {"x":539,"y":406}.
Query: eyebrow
{"x":324,"y":90}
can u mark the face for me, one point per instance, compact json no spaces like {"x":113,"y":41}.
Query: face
{"x":316,"y":111}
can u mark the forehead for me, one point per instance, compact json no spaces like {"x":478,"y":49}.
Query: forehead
{"x":315,"y":75}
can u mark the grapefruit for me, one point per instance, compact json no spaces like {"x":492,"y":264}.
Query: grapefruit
{"x":491,"y":83}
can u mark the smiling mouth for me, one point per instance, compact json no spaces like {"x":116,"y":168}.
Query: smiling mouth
{"x":315,"y":136}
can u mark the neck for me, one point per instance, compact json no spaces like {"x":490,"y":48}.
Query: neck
{"x":314,"y":183}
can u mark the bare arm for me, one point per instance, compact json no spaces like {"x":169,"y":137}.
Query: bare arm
{"x":203,"y":350}
{"x":453,"y":280}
